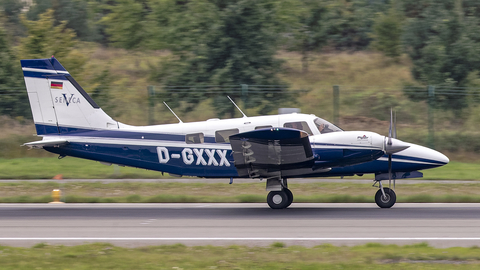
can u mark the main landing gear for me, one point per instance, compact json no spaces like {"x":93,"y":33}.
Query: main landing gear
{"x":280,"y":196}
{"x":385,"y":197}
{"x":280,"y":199}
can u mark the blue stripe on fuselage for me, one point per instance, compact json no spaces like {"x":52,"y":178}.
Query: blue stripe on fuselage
{"x":409,"y":158}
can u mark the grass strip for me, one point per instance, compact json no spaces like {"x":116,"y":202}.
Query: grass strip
{"x":172,"y":192}
{"x":237,"y":199}
{"x":275,"y":256}
{"x":69,"y":168}
{"x":75,"y":168}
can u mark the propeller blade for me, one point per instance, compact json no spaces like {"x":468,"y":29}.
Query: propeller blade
{"x":392,"y":145}
{"x":394,"y":125}
{"x":394,"y":136}
{"x":390,"y":128}
{"x":390,"y":148}
{"x":389,"y":170}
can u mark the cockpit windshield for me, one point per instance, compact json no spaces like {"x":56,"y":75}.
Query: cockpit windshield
{"x":325,"y":127}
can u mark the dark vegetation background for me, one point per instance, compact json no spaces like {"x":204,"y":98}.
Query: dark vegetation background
{"x":264,"y":54}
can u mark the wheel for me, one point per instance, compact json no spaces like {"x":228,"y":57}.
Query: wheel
{"x":277,"y":199}
{"x":289,"y":195}
{"x":387,"y":201}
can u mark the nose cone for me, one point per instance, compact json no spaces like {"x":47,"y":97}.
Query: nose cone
{"x":394,"y":145}
{"x":441,"y":158}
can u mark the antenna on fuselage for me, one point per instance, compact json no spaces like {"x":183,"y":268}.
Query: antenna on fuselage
{"x":236,"y":106}
{"x":179,"y":120}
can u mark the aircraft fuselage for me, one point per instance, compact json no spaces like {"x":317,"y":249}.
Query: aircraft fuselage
{"x":165,"y":148}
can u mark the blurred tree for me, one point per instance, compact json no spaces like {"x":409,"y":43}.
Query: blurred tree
{"x":126,"y":23}
{"x":349,"y":23}
{"x":44,"y":40}
{"x":97,"y":10}
{"x":168,"y":16}
{"x":38,"y":7}
{"x":10,"y":11}
{"x":223,"y":43}
{"x":100,"y":87}
{"x":73,"y":12}
{"x":307,"y":30}
{"x":387,"y":32}
{"x":442,"y":40}
{"x":13,"y":97}
{"x":11,"y":8}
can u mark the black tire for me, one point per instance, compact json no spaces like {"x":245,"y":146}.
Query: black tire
{"x":277,"y":199}
{"x":387,"y":202}
{"x":289,"y":195}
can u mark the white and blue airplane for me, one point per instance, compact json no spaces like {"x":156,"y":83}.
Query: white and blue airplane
{"x":274,"y":147}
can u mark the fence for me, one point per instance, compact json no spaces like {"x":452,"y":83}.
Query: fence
{"x":447,"y":115}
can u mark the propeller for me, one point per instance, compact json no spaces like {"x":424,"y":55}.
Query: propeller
{"x":393,"y":145}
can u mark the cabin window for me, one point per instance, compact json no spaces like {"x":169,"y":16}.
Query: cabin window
{"x":222,"y":136}
{"x":194,"y":138}
{"x":299,"y":125}
{"x":260,"y":127}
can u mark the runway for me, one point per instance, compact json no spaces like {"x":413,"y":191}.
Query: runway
{"x":440,"y":225}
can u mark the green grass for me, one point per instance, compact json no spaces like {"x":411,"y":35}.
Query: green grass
{"x":75,"y":168}
{"x":70,"y":168}
{"x":275,"y":256}
{"x":169,"y":192}
{"x":454,"y":171}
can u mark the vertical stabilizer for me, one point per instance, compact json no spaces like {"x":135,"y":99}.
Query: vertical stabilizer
{"x":59,"y":104}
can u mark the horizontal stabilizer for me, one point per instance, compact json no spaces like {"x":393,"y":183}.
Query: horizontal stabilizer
{"x":42,"y":144}
{"x":270,"y":152}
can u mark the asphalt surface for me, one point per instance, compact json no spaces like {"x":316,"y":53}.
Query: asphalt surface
{"x":440,"y":225}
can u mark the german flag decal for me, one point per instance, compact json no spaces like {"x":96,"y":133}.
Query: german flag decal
{"x":56,"y":85}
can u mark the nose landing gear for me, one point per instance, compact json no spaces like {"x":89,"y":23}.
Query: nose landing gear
{"x":385,"y":199}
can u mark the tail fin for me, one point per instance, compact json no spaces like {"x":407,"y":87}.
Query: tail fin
{"x":59,"y":104}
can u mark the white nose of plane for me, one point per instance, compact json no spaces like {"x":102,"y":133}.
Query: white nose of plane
{"x":422,"y":156}
{"x":413,"y":156}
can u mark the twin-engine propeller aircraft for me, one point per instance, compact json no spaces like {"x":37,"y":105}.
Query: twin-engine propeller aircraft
{"x":274,"y":147}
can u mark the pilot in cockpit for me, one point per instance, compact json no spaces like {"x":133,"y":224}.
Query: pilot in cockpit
{"x":323,"y":127}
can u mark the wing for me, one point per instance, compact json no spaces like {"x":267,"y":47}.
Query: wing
{"x":271,"y":152}
{"x":43,"y":143}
